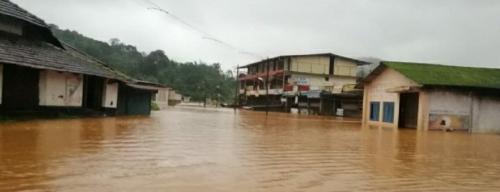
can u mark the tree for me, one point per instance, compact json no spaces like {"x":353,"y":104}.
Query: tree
{"x":200,"y":81}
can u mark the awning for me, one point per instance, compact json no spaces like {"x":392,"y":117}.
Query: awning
{"x":402,"y":89}
{"x":143,"y":87}
{"x":315,"y":94}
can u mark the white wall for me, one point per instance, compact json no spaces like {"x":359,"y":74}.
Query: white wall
{"x":316,"y":82}
{"x":110,"y":94}
{"x":60,"y":89}
{"x":447,"y":102}
{"x":486,"y":114}
{"x":377,"y":91}
{"x":162,"y":98}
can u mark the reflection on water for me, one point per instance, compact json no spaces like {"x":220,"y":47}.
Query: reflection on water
{"x":219,"y":150}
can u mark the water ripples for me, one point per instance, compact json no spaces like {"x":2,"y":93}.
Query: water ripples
{"x":220,"y":150}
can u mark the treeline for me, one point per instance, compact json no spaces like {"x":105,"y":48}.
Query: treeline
{"x":200,"y":81}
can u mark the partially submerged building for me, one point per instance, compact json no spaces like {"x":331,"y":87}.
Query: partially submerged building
{"x":41,"y":75}
{"x":315,"y":83}
{"x":174,"y":98}
{"x":432,"y":97}
{"x":162,"y":98}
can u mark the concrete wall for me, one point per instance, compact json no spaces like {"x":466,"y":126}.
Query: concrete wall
{"x":377,"y":91}
{"x":486,"y":113}
{"x":60,"y":89}
{"x":332,"y":84}
{"x":162,"y":97}
{"x":310,"y":64}
{"x":110,"y":95}
{"x":174,"y":98}
{"x":464,"y":110}
{"x":449,"y":109}
{"x":345,"y":67}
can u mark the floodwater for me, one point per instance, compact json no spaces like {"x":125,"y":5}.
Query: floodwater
{"x":219,"y":150}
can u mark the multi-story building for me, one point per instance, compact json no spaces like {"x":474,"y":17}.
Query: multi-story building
{"x":297,"y":81}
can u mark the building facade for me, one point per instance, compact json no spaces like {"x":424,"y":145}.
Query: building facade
{"x":296,"y":81}
{"x":432,"y":97}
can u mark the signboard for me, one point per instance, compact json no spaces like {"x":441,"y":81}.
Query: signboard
{"x":448,"y":122}
{"x":302,"y":81}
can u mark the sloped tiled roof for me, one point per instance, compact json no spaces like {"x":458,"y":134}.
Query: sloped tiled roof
{"x":13,"y":10}
{"x":45,"y":56}
{"x":54,"y":56}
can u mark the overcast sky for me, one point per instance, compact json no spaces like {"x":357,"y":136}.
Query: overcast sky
{"x":457,"y":32}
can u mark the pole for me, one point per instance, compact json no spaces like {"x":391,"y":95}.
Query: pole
{"x":284,"y":85}
{"x":237,"y":93}
{"x":267,"y":87}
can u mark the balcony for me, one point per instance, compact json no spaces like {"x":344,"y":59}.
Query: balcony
{"x":244,"y":77}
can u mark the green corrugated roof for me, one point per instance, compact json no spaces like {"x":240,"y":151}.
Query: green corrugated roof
{"x":442,"y":75}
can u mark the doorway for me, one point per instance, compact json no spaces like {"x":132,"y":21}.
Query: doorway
{"x":20,"y":88}
{"x":408,"y":110}
{"x":93,"y":92}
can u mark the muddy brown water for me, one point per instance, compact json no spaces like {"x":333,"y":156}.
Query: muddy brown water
{"x":219,"y":150}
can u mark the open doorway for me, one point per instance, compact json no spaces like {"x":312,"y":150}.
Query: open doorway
{"x":408,"y":110}
{"x":94,"y":91}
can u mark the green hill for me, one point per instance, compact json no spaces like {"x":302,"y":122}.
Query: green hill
{"x":197,"y":80}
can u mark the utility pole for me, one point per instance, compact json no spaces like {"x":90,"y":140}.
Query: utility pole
{"x":267,"y":87}
{"x":237,"y":93}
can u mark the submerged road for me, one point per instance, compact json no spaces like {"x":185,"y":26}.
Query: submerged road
{"x":219,"y":150}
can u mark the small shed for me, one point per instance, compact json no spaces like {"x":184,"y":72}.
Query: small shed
{"x":432,"y":97}
{"x":135,"y":98}
{"x":40,"y":75}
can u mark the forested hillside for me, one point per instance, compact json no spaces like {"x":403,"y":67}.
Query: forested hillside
{"x":197,"y":80}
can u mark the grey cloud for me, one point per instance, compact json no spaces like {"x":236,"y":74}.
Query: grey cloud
{"x":458,"y":32}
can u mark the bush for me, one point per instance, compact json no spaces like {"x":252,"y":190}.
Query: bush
{"x":154,"y":106}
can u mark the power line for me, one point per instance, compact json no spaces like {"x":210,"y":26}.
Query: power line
{"x":205,"y":35}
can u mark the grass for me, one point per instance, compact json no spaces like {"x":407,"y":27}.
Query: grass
{"x":443,"y":75}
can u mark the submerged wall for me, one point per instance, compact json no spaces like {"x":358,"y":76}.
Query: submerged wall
{"x":60,"y":89}
{"x":486,"y":114}
{"x":449,"y":110}
{"x":132,"y":101}
{"x":162,"y":97}
{"x":110,"y":95}
{"x":464,"y":110}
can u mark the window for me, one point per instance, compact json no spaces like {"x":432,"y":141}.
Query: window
{"x":388,"y":115}
{"x":374,"y":111}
